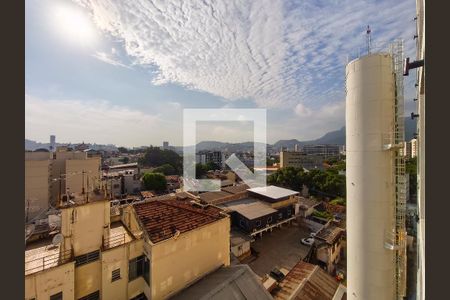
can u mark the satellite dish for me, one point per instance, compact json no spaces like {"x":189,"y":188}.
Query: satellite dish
{"x":57,"y":239}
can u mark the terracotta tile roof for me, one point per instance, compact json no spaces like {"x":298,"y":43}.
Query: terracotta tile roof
{"x":210,"y":197}
{"x":306,"y":282}
{"x":162,"y":219}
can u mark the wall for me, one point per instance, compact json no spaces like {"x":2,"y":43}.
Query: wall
{"x":42,"y":285}
{"x":177,"y":262}
{"x":75,"y":180}
{"x":37,"y":186}
{"x":83,"y":226}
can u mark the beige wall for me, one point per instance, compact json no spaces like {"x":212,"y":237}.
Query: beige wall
{"x":83,"y":226}
{"x":37,"y":186}
{"x":88,"y":279}
{"x":177,"y":262}
{"x":42,"y":285}
{"x":38,"y":155}
{"x":75,"y":179}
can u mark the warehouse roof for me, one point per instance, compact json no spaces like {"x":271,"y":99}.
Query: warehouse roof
{"x":233,"y":282}
{"x":273,"y":192}
{"x":163,"y":219}
{"x":249,"y":208}
{"x":307,"y":282}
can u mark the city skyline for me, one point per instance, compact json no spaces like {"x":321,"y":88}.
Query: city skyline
{"x":116,"y":75}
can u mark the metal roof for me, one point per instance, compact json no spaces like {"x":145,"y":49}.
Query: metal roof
{"x":249,"y":208}
{"x":227,"y":283}
{"x":273,"y":192}
{"x":307,"y":282}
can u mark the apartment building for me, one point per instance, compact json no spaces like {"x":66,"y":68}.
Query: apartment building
{"x":325,"y":150}
{"x":151,"y":250}
{"x":300,"y":160}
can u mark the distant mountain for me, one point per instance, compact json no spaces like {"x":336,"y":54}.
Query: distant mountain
{"x":33,"y":145}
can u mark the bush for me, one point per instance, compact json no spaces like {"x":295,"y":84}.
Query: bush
{"x":154,"y":181}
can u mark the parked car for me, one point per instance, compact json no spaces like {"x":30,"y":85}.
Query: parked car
{"x":276,"y":274}
{"x":307,"y":241}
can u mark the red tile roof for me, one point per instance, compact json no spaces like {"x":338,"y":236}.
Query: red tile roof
{"x":162,"y":219}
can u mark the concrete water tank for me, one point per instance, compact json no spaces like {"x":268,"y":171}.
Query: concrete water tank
{"x":370,"y":88}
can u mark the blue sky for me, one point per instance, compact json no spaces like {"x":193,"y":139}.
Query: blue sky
{"x":121,"y":72}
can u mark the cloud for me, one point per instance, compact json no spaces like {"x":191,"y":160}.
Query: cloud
{"x":274,"y":52}
{"x":110,"y":58}
{"x":91,"y":121}
{"x":302,"y":111}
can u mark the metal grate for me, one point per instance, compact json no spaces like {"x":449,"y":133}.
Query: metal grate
{"x":115,"y":275}
{"x":93,"y":296}
{"x":87,"y":258}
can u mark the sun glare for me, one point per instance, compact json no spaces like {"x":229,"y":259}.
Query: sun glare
{"x":74,"y":25}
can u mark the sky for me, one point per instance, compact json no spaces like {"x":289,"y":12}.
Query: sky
{"x":122,"y":71}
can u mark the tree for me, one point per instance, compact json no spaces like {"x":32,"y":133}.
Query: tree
{"x":154,"y":181}
{"x":211,"y":166}
{"x":200,"y":170}
{"x":122,"y":149}
{"x":166,"y":169}
{"x":155,"y":157}
{"x":125,"y":159}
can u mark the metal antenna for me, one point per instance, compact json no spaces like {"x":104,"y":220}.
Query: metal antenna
{"x":368,"y":39}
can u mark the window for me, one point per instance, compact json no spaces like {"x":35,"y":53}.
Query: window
{"x":87,"y":258}
{"x":139,"y":297}
{"x":289,"y":212}
{"x":58,"y":296}
{"x":93,"y":296}
{"x":280,"y":216}
{"x":269,"y":220}
{"x":115,"y":275}
{"x":242,"y":223}
{"x":258,"y":223}
{"x":139,"y":266}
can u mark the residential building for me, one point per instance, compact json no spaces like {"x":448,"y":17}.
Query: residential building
{"x":300,"y":160}
{"x":410,"y":149}
{"x":182,"y":243}
{"x":93,"y":256}
{"x":122,"y":167}
{"x":165,"y":146}
{"x":216,"y":157}
{"x":321,"y":150}
{"x":297,"y":148}
{"x":414,"y":149}
{"x":64,"y":171}
{"x":261,"y":209}
{"x":328,"y":244}
{"x":308,"y":282}
{"x":52,"y":143}
{"x":240,"y":244}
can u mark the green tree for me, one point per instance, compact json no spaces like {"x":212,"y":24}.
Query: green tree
{"x":211,"y":166}
{"x":155,"y":157}
{"x":125,"y":160}
{"x":154,"y":181}
{"x":122,"y":150}
{"x":200,"y":170}
{"x":166,"y":169}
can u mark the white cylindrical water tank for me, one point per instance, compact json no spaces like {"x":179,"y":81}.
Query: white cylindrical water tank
{"x":370,"y":113}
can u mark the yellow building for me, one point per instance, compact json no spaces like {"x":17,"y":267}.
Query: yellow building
{"x":150,"y":251}
{"x":300,"y":160}
{"x":49,"y":175}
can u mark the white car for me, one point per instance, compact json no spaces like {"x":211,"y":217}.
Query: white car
{"x":307,"y":241}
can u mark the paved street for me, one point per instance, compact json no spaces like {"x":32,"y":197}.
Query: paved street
{"x":279,"y":248}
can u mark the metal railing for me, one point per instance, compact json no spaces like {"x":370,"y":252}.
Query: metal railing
{"x":114,"y":241}
{"x":47,"y":261}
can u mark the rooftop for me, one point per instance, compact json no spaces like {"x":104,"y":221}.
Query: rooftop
{"x":237,"y":238}
{"x":249,"y":208}
{"x":42,"y":255}
{"x":162,"y":219}
{"x":306,"y":282}
{"x":121,"y":166}
{"x":118,"y":235}
{"x":273,"y":192}
{"x":307,"y":202}
{"x":233,"y":282}
{"x":329,"y":233}
{"x":235,"y":189}
{"x":210,"y":197}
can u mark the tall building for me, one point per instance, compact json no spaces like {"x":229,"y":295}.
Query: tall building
{"x":376,"y":236}
{"x":322,"y":150}
{"x":297,"y":148}
{"x":52,"y":143}
{"x":414,"y":149}
{"x":420,"y":50}
{"x":165,"y":145}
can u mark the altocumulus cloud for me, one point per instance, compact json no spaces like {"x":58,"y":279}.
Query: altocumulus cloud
{"x":277,"y":53}
{"x":98,"y":120}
